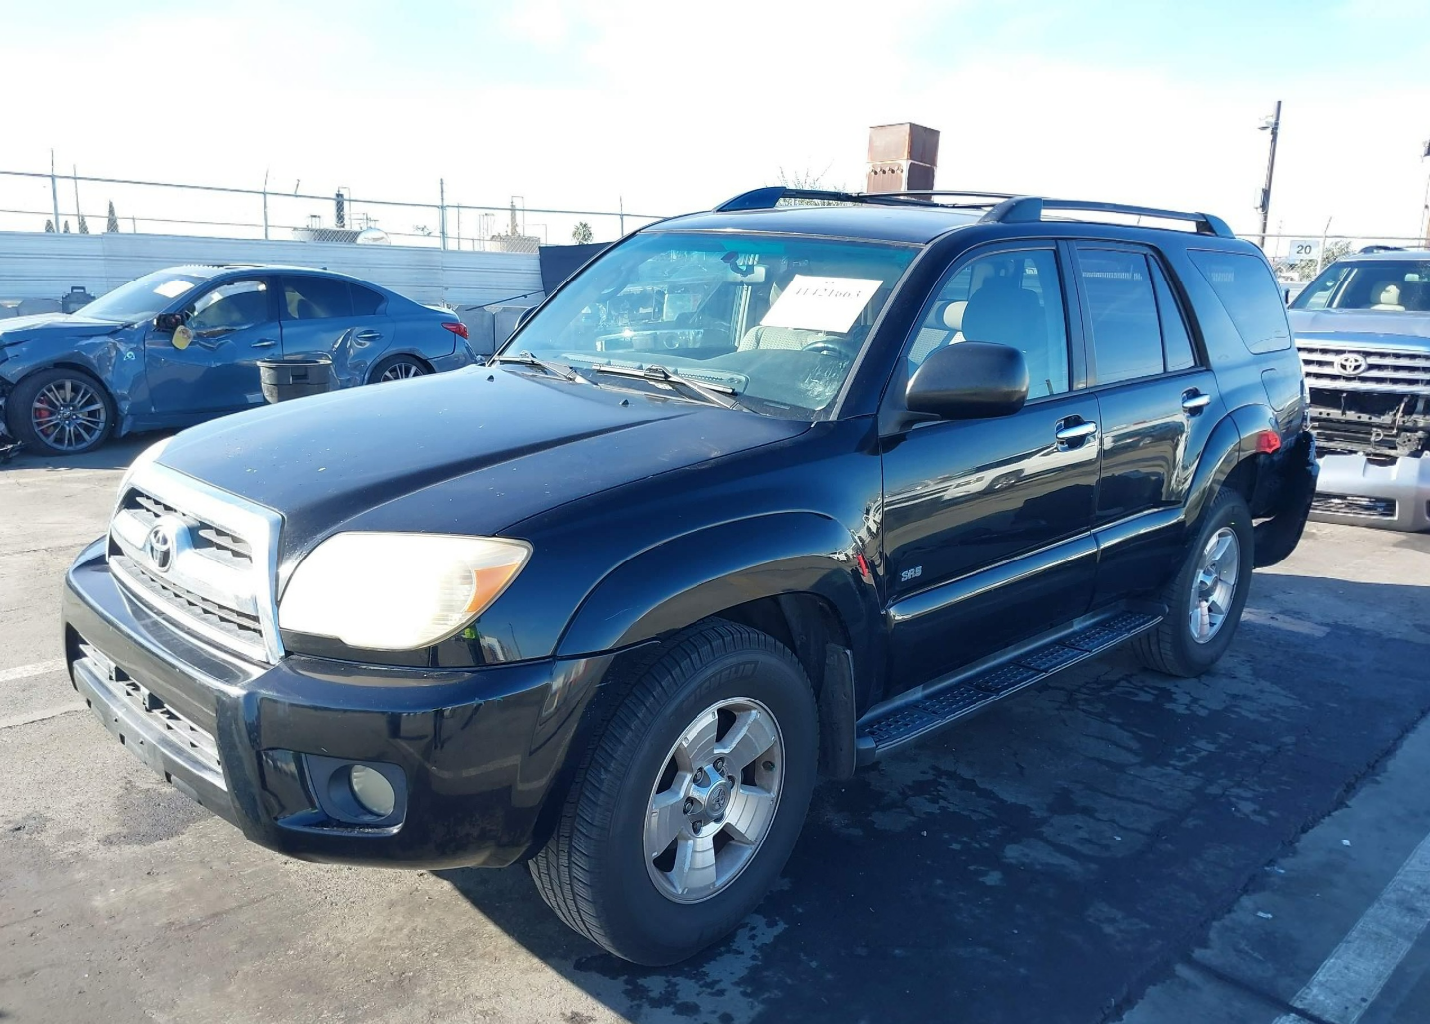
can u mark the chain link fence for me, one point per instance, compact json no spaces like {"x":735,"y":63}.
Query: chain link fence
{"x":37,"y":201}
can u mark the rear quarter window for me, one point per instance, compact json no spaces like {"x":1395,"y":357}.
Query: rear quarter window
{"x":1250,"y":296}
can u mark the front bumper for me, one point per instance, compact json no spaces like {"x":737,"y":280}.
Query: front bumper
{"x":477,"y":752}
{"x":1386,"y":494}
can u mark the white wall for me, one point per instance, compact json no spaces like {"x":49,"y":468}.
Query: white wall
{"x":36,"y":265}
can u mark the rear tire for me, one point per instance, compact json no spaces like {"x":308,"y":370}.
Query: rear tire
{"x":60,"y":412}
{"x":401,"y":367}
{"x":1205,"y":599}
{"x":631,"y":791}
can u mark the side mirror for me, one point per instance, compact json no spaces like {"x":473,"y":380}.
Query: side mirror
{"x":969,"y":380}
{"x":167,"y":323}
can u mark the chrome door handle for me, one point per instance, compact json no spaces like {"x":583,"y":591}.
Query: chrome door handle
{"x":1194,"y":402}
{"x":368,"y":335}
{"x":1075,"y":432}
{"x":264,"y":343}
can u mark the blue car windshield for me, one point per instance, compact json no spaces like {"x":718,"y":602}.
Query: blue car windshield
{"x":141,"y":299}
{"x":774,"y":322}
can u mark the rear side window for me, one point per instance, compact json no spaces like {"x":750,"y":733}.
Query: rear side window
{"x":315,"y":298}
{"x":1176,"y":341}
{"x":366,"y":302}
{"x":1126,"y":334}
{"x":1250,"y":295}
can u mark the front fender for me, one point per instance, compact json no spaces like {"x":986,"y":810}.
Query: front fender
{"x":115,"y":359}
{"x":700,"y":574}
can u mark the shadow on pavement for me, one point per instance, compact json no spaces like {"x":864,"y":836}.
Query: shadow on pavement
{"x":1050,"y":859}
{"x":111,"y":455}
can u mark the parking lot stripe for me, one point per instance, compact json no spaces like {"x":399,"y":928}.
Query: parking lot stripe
{"x":1355,"y":972}
{"x":39,"y":716}
{"x":39,"y":668}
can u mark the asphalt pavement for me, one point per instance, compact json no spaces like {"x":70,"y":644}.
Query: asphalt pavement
{"x":1245,"y":846}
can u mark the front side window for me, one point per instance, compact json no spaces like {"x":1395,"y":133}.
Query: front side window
{"x":1012,"y":298}
{"x":1122,"y":312}
{"x":230,"y":306}
{"x":1396,"y":286}
{"x":143,"y":298}
{"x":315,"y":298}
{"x":777,"y":320}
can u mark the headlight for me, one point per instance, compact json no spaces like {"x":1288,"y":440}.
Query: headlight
{"x":397,"y":591}
{"x":143,"y":459}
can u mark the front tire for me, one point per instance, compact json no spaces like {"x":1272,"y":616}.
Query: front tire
{"x":60,"y":412}
{"x":1205,"y":599}
{"x":686,"y":808}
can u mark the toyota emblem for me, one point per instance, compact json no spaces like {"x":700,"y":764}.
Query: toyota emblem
{"x":1351,"y":364}
{"x":159,"y":546}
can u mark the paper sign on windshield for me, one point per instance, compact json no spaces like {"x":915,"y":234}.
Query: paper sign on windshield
{"x":830,"y":304}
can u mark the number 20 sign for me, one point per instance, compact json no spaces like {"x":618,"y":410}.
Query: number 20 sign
{"x":1305,"y":248}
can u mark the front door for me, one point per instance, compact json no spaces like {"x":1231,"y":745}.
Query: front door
{"x":987,"y":523}
{"x":323,"y":318}
{"x":210,"y":364}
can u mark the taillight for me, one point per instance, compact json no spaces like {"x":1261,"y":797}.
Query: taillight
{"x":457,"y":327}
{"x":1268,"y":442}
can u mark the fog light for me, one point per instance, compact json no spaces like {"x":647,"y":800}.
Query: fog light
{"x":372,"y":791}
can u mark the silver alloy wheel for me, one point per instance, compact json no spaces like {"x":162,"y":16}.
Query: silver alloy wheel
{"x":402,"y":370}
{"x":68,"y":415}
{"x":1214,"y":586}
{"x":714,"y":800}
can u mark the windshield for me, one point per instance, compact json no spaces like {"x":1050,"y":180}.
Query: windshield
{"x":776,"y":320}
{"x":141,"y":299}
{"x":1396,"y":286}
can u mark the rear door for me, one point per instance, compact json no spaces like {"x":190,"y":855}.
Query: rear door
{"x":1157,"y":403}
{"x":320,"y":318}
{"x":210,"y":365}
{"x":987,"y":522}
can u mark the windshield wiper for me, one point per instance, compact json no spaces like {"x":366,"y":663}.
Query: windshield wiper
{"x":555,"y":369}
{"x":716,"y":394}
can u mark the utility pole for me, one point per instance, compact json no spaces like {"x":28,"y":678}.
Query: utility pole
{"x":442,"y":209}
{"x":265,"y":204}
{"x":1274,"y":127}
{"x":54,"y":190}
{"x":1425,"y":204}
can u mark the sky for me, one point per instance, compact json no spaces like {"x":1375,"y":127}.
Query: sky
{"x":666,"y":107}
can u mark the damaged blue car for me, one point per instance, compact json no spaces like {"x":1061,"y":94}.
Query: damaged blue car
{"x":180,"y":346}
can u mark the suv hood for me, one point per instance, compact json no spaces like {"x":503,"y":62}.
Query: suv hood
{"x":488,"y":448}
{"x":74,"y":325}
{"x":1367,"y":326}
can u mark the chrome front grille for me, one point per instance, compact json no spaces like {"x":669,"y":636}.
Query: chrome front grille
{"x":199,"y":557}
{"x":207,"y":539}
{"x":1346,"y":366}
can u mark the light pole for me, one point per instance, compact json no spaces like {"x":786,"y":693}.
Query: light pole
{"x":1274,"y":127}
{"x":1425,"y":203}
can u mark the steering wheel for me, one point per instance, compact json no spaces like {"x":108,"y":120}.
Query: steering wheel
{"x":827,"y":348}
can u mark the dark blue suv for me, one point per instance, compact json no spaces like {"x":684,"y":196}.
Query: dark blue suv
{"x":760,"y":493}
{"x":182,"y":345}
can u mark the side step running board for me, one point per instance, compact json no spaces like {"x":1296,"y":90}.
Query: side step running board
{"x":901,"y":724}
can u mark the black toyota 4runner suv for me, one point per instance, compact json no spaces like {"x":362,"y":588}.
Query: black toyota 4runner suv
{"x":759,"y":494}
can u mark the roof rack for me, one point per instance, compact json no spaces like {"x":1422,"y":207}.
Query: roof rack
{"x":1029,"y":209}
{"x":1003,"y":207}
{"x":766,"y":198}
